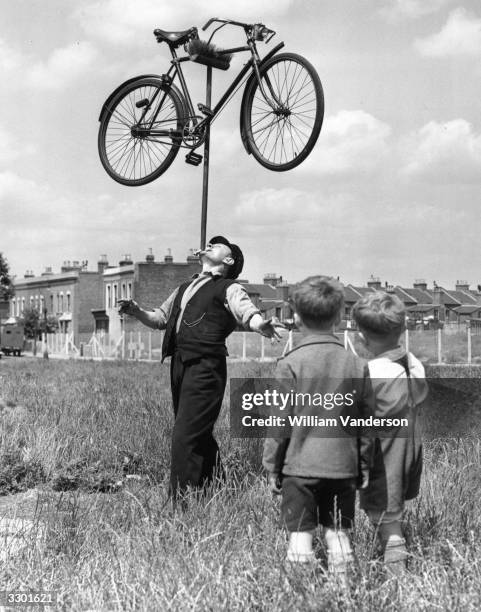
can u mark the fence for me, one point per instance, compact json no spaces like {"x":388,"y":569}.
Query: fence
{"x":431,"y":346}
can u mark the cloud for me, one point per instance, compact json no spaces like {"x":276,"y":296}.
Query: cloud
{"x":12,"y":148}
{"x":395,"y":10}
{"x":448,"y":152}
{"x":350,"y":141}
{"x":460,"y":36}
{"x":121,"y":21}
{"x":63,"y":66}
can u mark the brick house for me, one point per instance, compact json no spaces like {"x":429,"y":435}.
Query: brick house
{"x":69,"y":295}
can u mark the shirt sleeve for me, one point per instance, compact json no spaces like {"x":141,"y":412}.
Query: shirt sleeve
{"x":161,"y":315}
{"x":240,"y":304}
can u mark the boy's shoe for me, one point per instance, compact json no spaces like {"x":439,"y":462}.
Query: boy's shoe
{"x":395,"y":556}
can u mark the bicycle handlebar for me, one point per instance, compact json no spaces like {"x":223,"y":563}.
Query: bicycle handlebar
{"x":257,"y":30}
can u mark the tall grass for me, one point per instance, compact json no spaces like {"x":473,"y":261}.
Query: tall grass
{"x":77,"y":429}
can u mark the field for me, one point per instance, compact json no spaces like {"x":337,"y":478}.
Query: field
{"x":85,"y":450}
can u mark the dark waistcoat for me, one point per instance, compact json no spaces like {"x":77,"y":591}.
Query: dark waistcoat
{"x":205,"y":324}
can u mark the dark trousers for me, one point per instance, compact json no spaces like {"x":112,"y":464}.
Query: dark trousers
{"x":198,"y":387}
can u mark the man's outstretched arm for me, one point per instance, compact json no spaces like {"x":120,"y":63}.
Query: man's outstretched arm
{"x":156,"y":319}
{"x":248,"y":315}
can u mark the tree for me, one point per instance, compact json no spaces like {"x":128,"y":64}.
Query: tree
{"x":31,"y":322}
{"x":7,"y":289}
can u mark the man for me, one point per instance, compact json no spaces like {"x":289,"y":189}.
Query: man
{"x":198,"y":317}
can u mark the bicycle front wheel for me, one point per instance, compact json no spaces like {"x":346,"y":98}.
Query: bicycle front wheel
{"x":282,"y":134}
{"x":140,"y":131}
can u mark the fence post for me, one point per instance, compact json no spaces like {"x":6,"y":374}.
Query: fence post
{"x":123,"y":344}
{"x":139,"y":350}
{"x":468,"y":329}
{"x":406,"y":340}
{"x":440,"y":356}
{"x":244,"y":346}
{"x":150,"y":346}
{"x":263,"y":348}
{"x":290,"y":340}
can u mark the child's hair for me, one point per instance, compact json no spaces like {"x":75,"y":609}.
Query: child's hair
{"x":380,"y":313}
{"x":318,"y":300}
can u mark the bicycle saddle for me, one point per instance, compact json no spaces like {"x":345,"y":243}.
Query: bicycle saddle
{"x":175,"y":39}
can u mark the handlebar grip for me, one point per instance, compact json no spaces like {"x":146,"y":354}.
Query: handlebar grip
{"x":204,"y":27}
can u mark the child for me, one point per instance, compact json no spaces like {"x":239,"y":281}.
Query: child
{"x":399,"y":386}
{"x":317,"y":471}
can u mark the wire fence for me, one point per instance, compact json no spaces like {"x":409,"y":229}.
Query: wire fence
{"x":461,"y":345}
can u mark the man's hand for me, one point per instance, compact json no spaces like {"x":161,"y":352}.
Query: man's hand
{"x":363,"y":479}
{"x":267,"y":327}
{"x":128,"y":307}
{"x":274,"y":482}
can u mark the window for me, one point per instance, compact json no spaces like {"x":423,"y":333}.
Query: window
{"x":68,"y":301}
{"x":123,"y":295}
{"x":61,"y":302}
{"x":129,"y":291}
{"x":51,"y":304}
{"x":42,"y":303}
{"x":23,"y":304}
{"x":12,"y":307}
{"x":109,"y":297}
{"x":115,"y":295}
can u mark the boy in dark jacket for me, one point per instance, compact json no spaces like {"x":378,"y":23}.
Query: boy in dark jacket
{"x":317,"y":468}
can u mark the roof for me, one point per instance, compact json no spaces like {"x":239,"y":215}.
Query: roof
{"x":463,"y":297}
{"x":266,"y":292}
{"x":406,"y":296}
{"x":421,"y":308}
{"x":351,"y":295}
{"x":361,"y":290}
{"x":467,"y":309}
{"x":421,"y":296}
{"x":267,"y":304}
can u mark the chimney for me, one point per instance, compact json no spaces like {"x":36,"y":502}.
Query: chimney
{"x":168,"y":258}
{"x":272,"y":279}
{"x":48,"y":271}
{"x":102,"y":264}
{"x":374,"y":282}
{"x":126,"y":261}
{"x":191,"y":258}
{"x":149,"y":258}
{"x":436,"y":294}
{"x":282,"y":290}
{"x":420,"y":283}
{"x":462,"y":285}
{"x":29,"y":274}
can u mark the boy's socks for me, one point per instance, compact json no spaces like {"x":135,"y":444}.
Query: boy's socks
{"x":395,"y":554}
{"x":300,"y":547}
{"x":339,"y":551}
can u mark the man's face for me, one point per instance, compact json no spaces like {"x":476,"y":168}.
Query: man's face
{"x":218,"y":253}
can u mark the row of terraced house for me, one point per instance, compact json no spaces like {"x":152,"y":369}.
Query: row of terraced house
{"x":85,"y":301}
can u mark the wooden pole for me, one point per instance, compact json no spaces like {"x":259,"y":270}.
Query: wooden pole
{"x":205,"y":182}
{"x":468,"y":329}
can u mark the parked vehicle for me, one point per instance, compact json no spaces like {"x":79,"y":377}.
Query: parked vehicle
{"x":12,"y":338}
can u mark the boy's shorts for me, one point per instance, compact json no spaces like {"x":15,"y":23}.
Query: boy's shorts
{"x":308,"y":502}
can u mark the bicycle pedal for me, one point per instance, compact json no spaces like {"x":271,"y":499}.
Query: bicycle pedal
{"x":205,"y":110}
{"x":193,"y":159}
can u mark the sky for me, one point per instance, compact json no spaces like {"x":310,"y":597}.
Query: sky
{"x":391,"y":189}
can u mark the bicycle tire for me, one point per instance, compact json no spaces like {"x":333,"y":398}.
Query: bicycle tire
{"x":131,"y":159}
{"x":282,"y":142}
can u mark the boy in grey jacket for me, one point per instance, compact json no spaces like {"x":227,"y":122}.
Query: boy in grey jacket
{"x":317,"y":468}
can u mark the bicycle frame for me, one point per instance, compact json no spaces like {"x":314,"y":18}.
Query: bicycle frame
{"x":254,"y":64}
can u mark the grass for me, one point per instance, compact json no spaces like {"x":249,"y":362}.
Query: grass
{"x":94,"y":439}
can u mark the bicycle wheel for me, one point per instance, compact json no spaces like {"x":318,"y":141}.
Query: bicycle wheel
{"x":140,"y":131}
{"x":281,"y":138}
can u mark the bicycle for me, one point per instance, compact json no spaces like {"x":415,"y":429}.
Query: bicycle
{"x":147,"y":119}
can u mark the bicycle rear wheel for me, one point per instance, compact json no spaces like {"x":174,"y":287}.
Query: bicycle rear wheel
{"x":281,"y":138}
{"x":140,"y":131}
